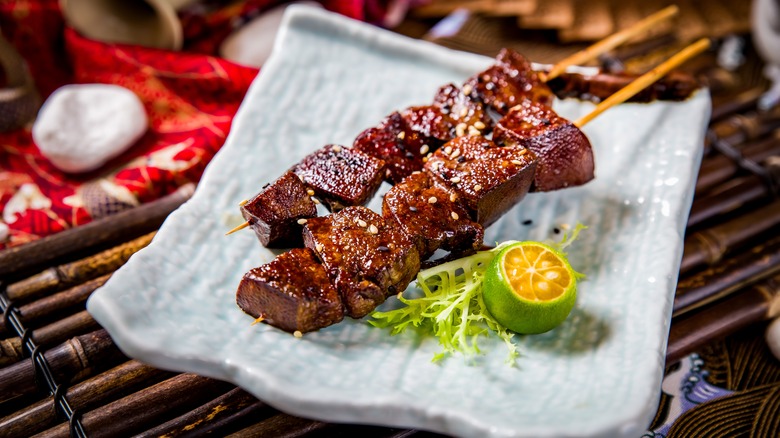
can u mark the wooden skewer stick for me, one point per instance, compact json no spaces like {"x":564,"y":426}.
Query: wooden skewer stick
{"x":645,"y":80}
{"x":611,"y":42}
{"x":240,"y":227}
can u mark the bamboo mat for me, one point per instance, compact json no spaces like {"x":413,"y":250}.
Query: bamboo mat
{"x":730,"y":276}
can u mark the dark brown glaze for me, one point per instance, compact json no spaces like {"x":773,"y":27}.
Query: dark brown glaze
{"x":341,"y":176}
{"x":367,"y":258}
{"x":402,"y":140}
{"x":430,"y":214}
{"x":293,"y":292}
{"x":563,"y":152}
{"x":508,"y":82}
{"x":487,"y":179}
{"x":275,"y":211}
{"x":463,"y":109}
{"x":675,"y":86}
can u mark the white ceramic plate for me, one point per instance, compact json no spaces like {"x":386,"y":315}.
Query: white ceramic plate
{"x":173,"y":304}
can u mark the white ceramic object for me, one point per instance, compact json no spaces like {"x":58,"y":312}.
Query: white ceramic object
{"x":252,"y":43}
{"x":598,"y":374}
{"x":773,"y":337}
{"x":81,"y":127}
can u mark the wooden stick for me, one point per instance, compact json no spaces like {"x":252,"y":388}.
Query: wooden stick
{"x":238,"y":228}
{"x":89,"y":394}
{"x":95,"y":235}
{"x":77,"y":272}
{"x":646,"y":79}
{"x":612,"y":41}
{"x":131,"y":414}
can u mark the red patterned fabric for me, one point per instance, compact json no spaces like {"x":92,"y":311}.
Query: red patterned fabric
{"x":190,"y":97}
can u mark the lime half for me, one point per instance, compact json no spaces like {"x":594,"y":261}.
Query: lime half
{"x":530,"y":287}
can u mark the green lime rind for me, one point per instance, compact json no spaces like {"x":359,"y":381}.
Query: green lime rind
{"x":519,"y":314}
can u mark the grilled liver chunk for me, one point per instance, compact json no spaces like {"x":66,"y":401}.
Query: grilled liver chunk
{"x":564,"y":155}
{"x":341,"y":176}
{"x":508,"y":82}
{"x":293,"y":292}
{"x":430,"y":214}
{"x":403,"y":139}
{"x":367,"y":258}
{"x":487,"y":179}
{"x":463,"y":109}
{"x":274,"y":212}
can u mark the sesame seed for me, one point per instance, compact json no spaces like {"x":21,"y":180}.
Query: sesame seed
{"x":565,"y":226}
{"x":448,"y":150}
{"x":310,"y":192}
{"x":454,"y":215}
{"x":528,"y":222}
{"x":412,"y":208}
{"x":400,"y":294}
{"x":467,"y":89}
{"x":401,"y":135}
{"x":373,"y":229}
{"x":523,"y":151}
{"x":460,"y":129}
{"x":432,"y":200}
{"x":243,"y":203}
{"x":464,"y":112}
{"x":477,"y":188}
{"x":425,"y":159}
{"x":298,"y":334}
{"x":455,"y":154}
{"x":479,"y":125}
{"x":416,"y":172}
{"x":556,"y":231}
{"x":302,"y":221}
{"x":336,"y":148}
{"x":424,"y":149}
{"x":382,"y":248}
{"x":319,"y":247}
{"x":362,"y":223}
{"x":517,"y":162}
{"x":453,"y":197}
{"x":455,"y":179}
{"x":474,"y":131}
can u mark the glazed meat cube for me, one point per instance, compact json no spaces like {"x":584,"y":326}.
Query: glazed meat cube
{"x":293,"y":292}
{"x":430,"y":214}
{"x":463,"y":110}
{"x":402,"y":140}
{"x":487,"y":179}
{"x":274,"y":212}
{"x":563,"y":152}
{"x":508,"y":82}
{"x":367,"y":258}
{"x":341,"y":176}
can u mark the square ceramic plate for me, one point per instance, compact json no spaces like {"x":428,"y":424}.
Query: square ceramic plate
{"x":173,"y":304}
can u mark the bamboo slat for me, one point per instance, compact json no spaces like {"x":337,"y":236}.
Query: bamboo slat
{"x":92,"y":393}
{"x":77,"y":272}
{"x":692,"y":331}
{"x":71,"y":361}
{"x":54,"y":333}
{"x":719,"y":168}
{"x":707,"y":247}
{"x":729,"y":197}
{"x":35,"y":311}
{"x":135,"y":412}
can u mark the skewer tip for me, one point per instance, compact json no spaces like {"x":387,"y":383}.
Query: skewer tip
{"x":240,"y":227}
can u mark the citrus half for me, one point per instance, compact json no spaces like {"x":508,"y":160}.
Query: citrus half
{"x":530,"y":287}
